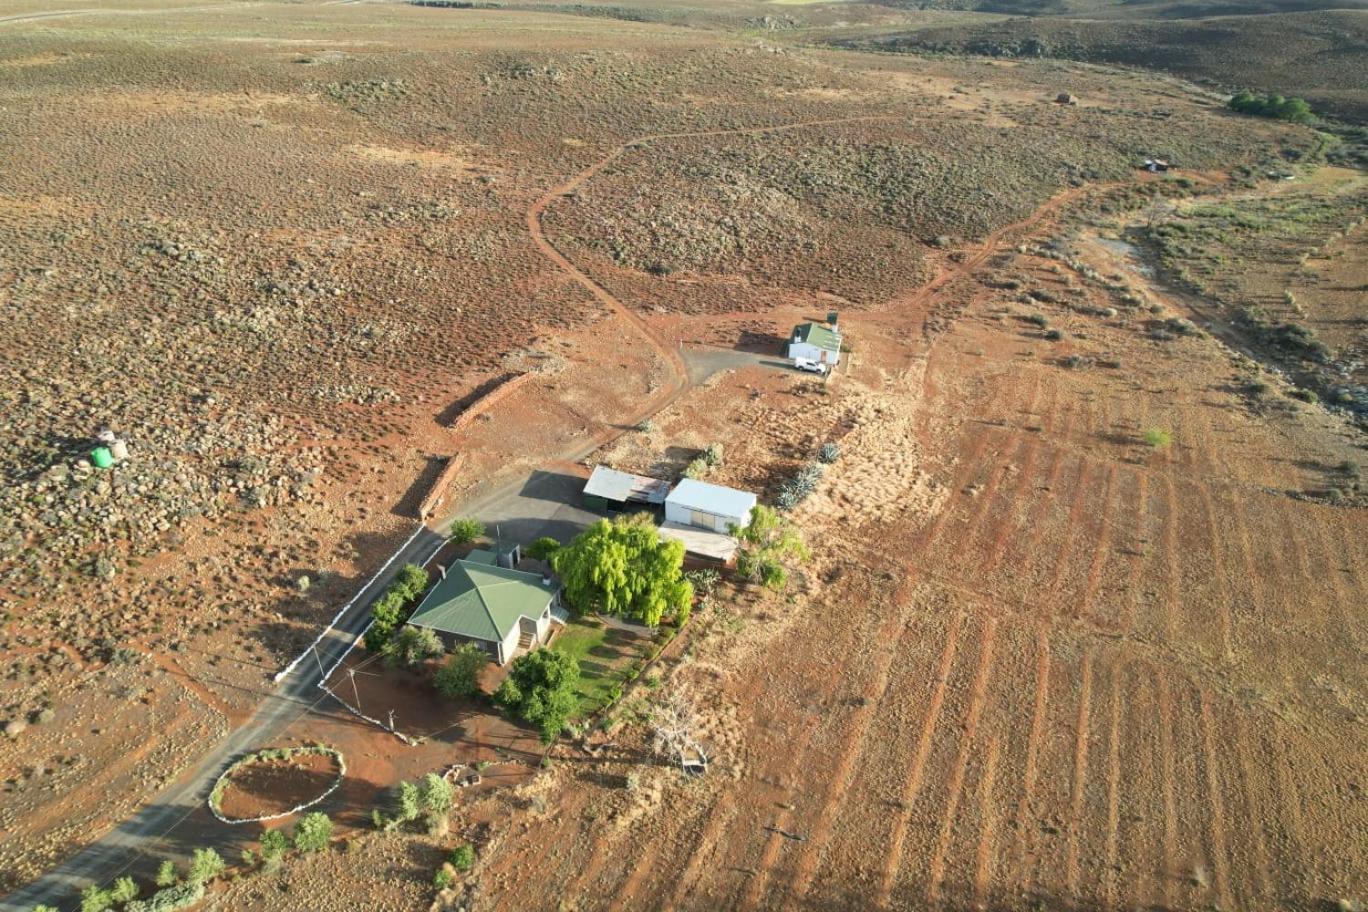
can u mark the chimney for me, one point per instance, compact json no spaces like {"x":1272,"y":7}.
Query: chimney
{"x":832,"y":317}
{"x":441,"y":568}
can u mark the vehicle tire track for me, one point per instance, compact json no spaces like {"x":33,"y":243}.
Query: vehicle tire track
{"x":1220,"y":861}
{"x":844,"y":772}
{"x":1217,"y":574}
{"x":1038,"y":713}
{"x":988,"y":815}
{"x":913,"y":784}
{"x":1102,"y":547}
{"x":1167,"y":775}
{"x":1111,"y":888}
{"x":975,"y":709}
{"x":1080,"y":775}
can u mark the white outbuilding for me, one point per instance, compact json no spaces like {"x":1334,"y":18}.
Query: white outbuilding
{"x":708,"y":506}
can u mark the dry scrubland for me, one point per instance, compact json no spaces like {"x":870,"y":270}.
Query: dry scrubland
{"x":1035,"y":661}
{"x":1317,"y":54}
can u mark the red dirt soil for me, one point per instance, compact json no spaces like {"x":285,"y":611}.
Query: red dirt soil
{"x":271,"y":787}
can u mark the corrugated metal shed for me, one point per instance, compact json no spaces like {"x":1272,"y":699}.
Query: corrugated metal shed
{"x":692,"y":494}
{"x":623,"y":487}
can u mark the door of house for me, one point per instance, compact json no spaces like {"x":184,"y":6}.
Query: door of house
{"x":703,"y":520}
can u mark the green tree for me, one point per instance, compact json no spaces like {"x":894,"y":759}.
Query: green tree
{"x":411,"y":647}
{"x":465,"y":531}
{"x":540,"y":690}
{"x":94,"y":898}
{"x":770,"y":546}
{"x":312,"y":832}
{"x":167,"y":875}
{"x":543,"y":548}
{"x":44,"y":907}
{"x":205,"y":865}
{"x":624,"y":567}
{"x":125,"y":889}
{"x":460,"y":676}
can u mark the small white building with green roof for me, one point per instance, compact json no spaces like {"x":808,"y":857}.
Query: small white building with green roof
{"x":819,"y":342}
{"x":503,"y":611}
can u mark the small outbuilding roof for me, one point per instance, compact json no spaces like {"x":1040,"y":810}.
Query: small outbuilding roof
{"x":611,"y":484}
{"x":482,"y":601}
{"x":818,"y":334}
{"x":710,"y":498}
{"x":701,"y":542}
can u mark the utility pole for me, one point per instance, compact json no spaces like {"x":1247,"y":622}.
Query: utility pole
{"x":391,"y":720}
{"x":351,"y":673}
{"x":319,"y":660}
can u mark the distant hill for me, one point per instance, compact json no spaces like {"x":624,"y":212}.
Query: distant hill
{"x":1129,"y":9}
{"x":1321,"y":56}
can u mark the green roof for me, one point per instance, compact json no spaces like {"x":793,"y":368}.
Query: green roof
{"x":481,"y":601}
{"x":818,"y":335}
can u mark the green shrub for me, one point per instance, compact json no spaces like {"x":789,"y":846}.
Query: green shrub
{"x":1305,"y":395}
{"x":829,"y":453}
{"x":167,"y":876}
{"x":274,"y":845}
{"x":443,"y":878}
{"x":462,"y":858}
{"x":205,"y":865}
{"x":465,"y":531}
{"x":1295,"y":110}
{"x":95,"y":898}
{"x":460,"y":676}
{"x":645,"y":426}
{"x":124,"y":890}
{"x":543,"y":548}
{"x":712,"y":455}
{"x":696,"y":469}
{"x":393,"y":607}
{"x":1158,"y":438}
{"x":312,"y":832}
{"x":170,"y":899}
{"x":411,"y":647}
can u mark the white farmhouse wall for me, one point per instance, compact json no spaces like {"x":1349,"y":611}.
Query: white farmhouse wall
{"x":813,"y":353}
{"x":509,"y":645}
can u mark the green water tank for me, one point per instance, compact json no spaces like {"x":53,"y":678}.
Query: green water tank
{"x":101,"y":457}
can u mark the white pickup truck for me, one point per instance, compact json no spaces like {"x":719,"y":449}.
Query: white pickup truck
{"x":807,"y":364}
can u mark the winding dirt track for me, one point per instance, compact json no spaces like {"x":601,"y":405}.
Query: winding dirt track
{"x":1083,"y":691}
{"x":668,"y":354}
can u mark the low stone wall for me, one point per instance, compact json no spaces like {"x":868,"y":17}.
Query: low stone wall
{"x":437,"y":493}
{"x":488,"y":400}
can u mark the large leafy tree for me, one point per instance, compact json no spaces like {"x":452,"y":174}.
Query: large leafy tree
{"x":770,"y":546}
{"x":540,"y":690}
{"x":624,"y":567}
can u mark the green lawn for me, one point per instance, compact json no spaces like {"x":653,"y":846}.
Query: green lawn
{"x":603,"y":653}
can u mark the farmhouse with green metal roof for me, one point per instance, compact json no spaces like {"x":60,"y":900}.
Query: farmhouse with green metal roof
{"x":820,"y":342}
{"x":476,"y":601}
